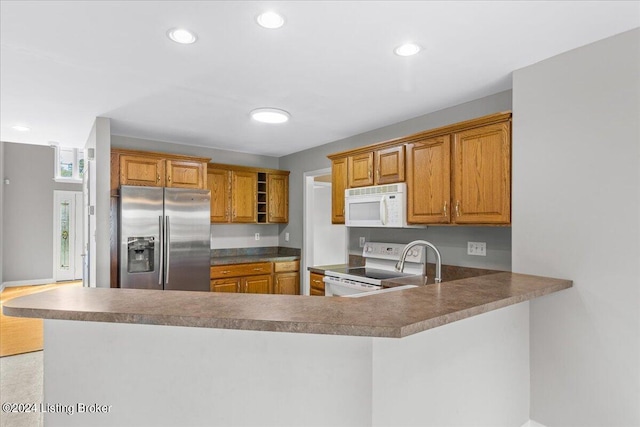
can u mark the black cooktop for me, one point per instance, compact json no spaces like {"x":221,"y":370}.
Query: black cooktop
{"x":373,"y":273}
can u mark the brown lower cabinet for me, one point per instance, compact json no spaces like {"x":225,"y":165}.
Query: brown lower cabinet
{"x":257,"y":278}
{"x":316,"y":284}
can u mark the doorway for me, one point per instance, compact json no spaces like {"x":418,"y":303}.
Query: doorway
{"x":324,"y":243}
{"x":67,"y":235}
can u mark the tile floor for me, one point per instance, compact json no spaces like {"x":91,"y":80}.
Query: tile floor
{"x":21,"y":381}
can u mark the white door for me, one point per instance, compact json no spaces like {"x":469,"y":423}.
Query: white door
{"x":67,"y":235}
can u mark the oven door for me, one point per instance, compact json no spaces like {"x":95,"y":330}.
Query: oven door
{"x":337,"y":288}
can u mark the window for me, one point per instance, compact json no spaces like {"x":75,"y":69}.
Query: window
{"x":69,"y":164}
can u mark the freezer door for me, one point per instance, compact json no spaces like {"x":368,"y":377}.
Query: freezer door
{"x":187,"y":241}
{"x":141,"y":219}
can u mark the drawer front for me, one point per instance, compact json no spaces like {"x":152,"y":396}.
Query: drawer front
{"x":284,"y":266}
{"x":235,"y":270}
{"x":317,"y":285}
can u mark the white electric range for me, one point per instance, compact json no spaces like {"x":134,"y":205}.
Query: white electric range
{"x":380,"y":261}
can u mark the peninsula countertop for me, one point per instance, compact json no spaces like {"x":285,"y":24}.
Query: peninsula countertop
{"x":393,"y":315}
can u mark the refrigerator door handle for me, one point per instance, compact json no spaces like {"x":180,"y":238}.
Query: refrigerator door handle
{"x":161,"y":245}
{"x":167,"y":234}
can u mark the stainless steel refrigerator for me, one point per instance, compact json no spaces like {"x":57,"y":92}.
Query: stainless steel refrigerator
{"x":164,"y":238}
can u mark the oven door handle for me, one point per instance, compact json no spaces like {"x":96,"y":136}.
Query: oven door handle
{"x":383,"y":210}
{"x":330,"y":282}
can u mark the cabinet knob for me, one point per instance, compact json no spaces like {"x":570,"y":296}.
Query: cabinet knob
{"x":169,"y":178}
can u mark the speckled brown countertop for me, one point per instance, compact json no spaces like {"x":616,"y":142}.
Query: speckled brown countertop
{"x":394,"y":314}
{"x":248,"y":255}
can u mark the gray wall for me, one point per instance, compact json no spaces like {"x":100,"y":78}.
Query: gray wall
{"x":450,"y":241}
{"x":27,"y":212}
{"x":315,"y":158}
{"x":576,"y":210}
{"x":217,"y":156}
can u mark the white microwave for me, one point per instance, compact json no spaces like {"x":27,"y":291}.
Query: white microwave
{"x":376,"y":206}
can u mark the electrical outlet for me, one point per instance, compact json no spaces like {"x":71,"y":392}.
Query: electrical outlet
{"x":257,"y":236}
{"x":362,"y":240}
{"x":286,"y":237}
{"x":477,"y":248}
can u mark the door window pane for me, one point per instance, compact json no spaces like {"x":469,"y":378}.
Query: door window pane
{"x":64,"y":235}
{"x":80,"y":163}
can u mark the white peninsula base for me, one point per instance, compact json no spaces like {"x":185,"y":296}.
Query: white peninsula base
{"x":473,"y":372}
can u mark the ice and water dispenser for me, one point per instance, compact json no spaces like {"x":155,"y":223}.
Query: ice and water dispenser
{"x":140,"y":254}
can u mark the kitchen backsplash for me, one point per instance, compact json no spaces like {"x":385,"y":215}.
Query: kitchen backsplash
{"x":450,"y":241}
{"x":243,"y":236}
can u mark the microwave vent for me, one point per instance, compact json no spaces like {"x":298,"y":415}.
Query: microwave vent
{"x":377,"y":189}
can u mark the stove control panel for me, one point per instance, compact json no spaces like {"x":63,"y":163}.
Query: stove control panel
{"x":391,"y":251}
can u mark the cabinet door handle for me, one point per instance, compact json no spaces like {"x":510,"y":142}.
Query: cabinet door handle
{"x":226,"y":271}
{"x":158,"y":178}
{"x":445,"y":208}
{"x":257,"y":269}
{"x":169,"y":178}
{"x":457,"y":207}
{"x":369,"y":173}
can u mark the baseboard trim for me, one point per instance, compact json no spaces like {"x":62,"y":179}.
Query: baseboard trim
{"x":28,"y":282}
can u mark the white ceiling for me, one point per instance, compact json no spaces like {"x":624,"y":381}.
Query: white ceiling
{"x":331,"y":66}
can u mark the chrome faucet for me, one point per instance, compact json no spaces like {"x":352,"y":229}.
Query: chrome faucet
{"x":400,"y":264}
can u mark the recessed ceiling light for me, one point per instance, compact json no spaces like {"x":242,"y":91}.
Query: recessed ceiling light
{"x":407,"y":49}
{"x":20,"y":128}
{"x":270,"y":20}
{"x":182,"y":36}
{"x":270,"y":115}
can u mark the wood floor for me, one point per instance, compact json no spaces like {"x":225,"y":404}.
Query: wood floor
{"x":19,"y":334}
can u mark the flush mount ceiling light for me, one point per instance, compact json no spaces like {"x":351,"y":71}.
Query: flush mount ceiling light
{"x":20,"y":128}
{"x":270,"y":115}
{"x":407,"y":49}
{"x":182,"y":36}
{"x":270,"y":20}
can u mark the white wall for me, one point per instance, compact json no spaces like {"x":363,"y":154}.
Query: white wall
{"x":576,"y":215}
{"x":100,"y":140}
{"x":329,"y":240}
{"x":473,"y":372}
{"x":2,"y":184}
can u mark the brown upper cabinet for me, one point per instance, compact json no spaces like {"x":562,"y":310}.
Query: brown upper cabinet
{"x":339,"y":183}
{"x":389,"y":165}
{"x":360,"y":169}
{"x":482,"y":175}
{"x":384,"y":166}
{"x":154,"y":169}
{"x":244,"y":193}
{"x":219,"y":183}
{"x":456,"y":174}
{"x":428,"y":181}
{"x":241,"y":194}
{"x":278,"y":198}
